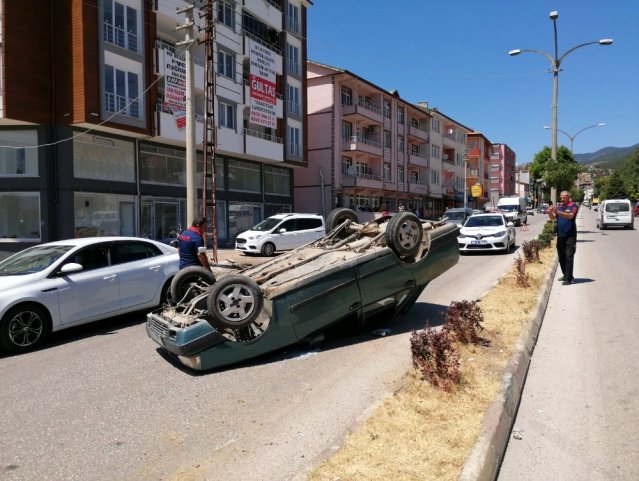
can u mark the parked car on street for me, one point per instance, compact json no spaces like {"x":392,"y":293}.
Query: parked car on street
{"x":281,"y":232}
{"x":50,"y":287}
{"x":615,"y":213}
{"x":355,"y":273}
{"x":487,"y":232}
{"x":458,"y":215}
{"x":636,"y":209}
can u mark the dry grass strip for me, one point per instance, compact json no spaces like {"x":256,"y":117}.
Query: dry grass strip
{"x":423,"y":433}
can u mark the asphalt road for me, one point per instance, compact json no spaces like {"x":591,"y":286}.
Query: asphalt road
{"x":100,"y":402}
{"x":579,"y":411}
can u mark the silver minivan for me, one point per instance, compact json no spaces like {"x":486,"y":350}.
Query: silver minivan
{"x":615,"y":212}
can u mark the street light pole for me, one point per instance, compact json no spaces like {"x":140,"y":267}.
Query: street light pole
{"x":572,"y":137}
{"x":555,"y":62}
{"x":465,"y":157}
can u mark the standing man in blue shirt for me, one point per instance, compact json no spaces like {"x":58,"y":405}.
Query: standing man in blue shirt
{"x":189,"y":243}
{"x":566,"y":215}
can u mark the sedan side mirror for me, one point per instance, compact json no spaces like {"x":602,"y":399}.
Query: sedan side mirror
{"x":70,"y":268}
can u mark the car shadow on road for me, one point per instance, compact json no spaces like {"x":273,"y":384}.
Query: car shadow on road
{"x":337,"y":336}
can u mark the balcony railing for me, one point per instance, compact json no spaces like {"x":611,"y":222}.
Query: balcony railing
{"x":263,"y":41}
{"x":262,"y":135}
{"x":120,"y":37}
{"x":121,"y":105}
{"x":362,"y":140}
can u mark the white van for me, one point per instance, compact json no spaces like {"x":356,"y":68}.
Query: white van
{"x":615,"y":212}
{"x":281,"y":232}
{"x":514,"y":208}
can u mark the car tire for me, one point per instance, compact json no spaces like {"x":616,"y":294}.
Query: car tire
{"x":268,"y":249}
{"x":235,"y":301}
{"x":404,"y":234}
{"x":24,"y":328}
{"x":195,"y":278}
{"x":337,"y":216}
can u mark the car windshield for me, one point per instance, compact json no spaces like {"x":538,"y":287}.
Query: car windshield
{"x":32,"y":260}
{"x":455,"y":215}
{"x":267,"y":224}
{"x":484,"y":221}
{"x":509,"y":208}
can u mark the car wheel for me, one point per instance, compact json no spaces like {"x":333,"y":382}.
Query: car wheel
{"x":24,"y":328}
{"x":190,"y":282}
{"x":268,"y":249}
{"x":337,"y":217}
{"x":404,"y":234}
{"x":235,"y":301}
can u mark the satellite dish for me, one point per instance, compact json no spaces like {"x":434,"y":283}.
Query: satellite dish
{"x":445,"y":156}
{"x":352,"y":170}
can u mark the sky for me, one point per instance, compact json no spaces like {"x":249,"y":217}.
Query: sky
{"x":453,"y":54}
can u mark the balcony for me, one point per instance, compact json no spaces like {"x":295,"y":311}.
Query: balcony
{"x":420,"y":160}
{"x":361,"y":144}
{"x":417,"y":134}
{"x":362,"y":180}
{"x":418,"y":187}
{"x":263,"y":147}
{"x":267,"y":11}
{"x":362,"y":110}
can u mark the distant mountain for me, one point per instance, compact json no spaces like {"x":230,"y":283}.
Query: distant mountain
{"x":608,"y":157}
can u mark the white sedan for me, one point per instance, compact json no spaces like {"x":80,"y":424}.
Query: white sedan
{"x":50,"y":287}
{"x":487,"y":232}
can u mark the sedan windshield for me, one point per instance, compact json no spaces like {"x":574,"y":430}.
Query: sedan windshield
{"x":485,"y":221}
{"x":32,"y":260}
{"x":266,"y":224}
{"x":509,"y":208}
{"x":455,"y":215}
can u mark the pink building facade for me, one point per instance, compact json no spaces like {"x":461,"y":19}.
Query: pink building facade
{"x":369,"y":149}
{"x":502,"y":172}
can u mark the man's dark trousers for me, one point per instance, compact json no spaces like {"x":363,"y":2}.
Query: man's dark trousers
{"x":566,"y":247}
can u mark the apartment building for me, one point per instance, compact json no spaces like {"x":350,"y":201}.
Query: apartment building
{"x":480,"y":150}
{"x":92,"y":115}
{"x":368,"y":148}
{"x":502,"y":173}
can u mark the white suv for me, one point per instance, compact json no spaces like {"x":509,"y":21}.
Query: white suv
{"x":281,"y":232}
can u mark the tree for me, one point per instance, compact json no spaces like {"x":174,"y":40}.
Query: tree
{"x":630,"y":175}
{"x":561,"y":173}
{"x":615,"y":188}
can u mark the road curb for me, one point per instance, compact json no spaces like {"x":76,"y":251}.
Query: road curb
{"x":486,"y":455}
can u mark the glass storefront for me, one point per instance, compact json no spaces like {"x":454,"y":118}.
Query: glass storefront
{"x":20,"y":216}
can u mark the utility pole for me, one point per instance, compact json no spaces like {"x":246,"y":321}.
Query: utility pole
{"x":191,"y":168}
{"x":208,"y":169}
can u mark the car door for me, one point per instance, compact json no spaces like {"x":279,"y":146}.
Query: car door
{"x":332,"y":297}
{"x":383,"y":282}
{"x":289,"y":239}
{"x":93,"y":292}
{"x":141,"y":273}
{"x":309,"y":229}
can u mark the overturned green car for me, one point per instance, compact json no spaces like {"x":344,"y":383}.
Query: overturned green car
{"x":355,"y":272}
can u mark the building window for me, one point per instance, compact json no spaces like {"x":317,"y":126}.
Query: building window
{"x":387,"y":109}
{"x":293,"y":97}
{"x":414,"y":177}
{"x":103,"y":214}
{"x":292,"y":59}
{"x":103,"y":158}
{"x":226,"y":115}
{"x":400,"y":115}
{"x":400,"y":143}
{"x":435,"y":151}
{"x":20,"y":216}
{"x":226,"y":64}
{"x":400,"y":174}
{"x":292,"y":18}
{"x":347,"y":162}
{"x":387,"y":139}
{"x":293,"y":141}
{"x":277,"y":180}
{"x":347,"y":96}
{"x":244,"y":176}
{"x":387,"y":172}
{"x":347,"y":130}
{"x":120,"y":25}
{"x":435,"y":125}
{"x":226,"y":14}
{"x":434,"y":177}
{"x":121,"y":91}
{"x":18,"y":161}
